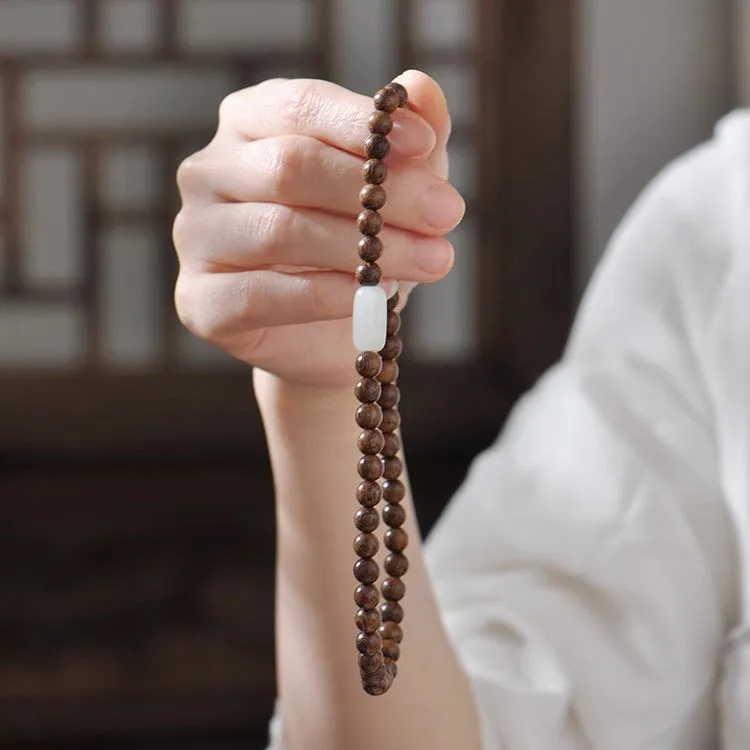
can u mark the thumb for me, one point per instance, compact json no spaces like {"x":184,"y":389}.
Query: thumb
{"x":426,"y":98}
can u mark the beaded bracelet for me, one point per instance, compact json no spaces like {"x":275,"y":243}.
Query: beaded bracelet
{"x":376,"y":324}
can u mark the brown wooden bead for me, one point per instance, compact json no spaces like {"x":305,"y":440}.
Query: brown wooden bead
{"x":396,"y":540}
{"x":396,"y":564}
{"x":391,"y":612}
{"x":392,"y":467}
{"x":366,"y":545}
{"x":393,"y":301}
{"x":366,"y":570}
{"x":367,"y":596}
{"x":380,"y":122}
{"x":369,"y":493}
{"x":368,"y":416}
{"x":368,"y":274}
{"x":368,"y":620}
{"x":370,"y":442}
{"x":377,"y":146}
{"x":387,"y":100}
{"x":368,"y":390}
{"x":394,"y":491}
{"x":370,"y":222}
{"x":394,"y":515}
{"x":393,"y":348}
{"x":380,"y":687}
{"x":393,"y":589}
{"x":400,"y":90}
{"x":390,"y":421}
{"x":369,"y":664}
{"x":391,"y":444}
{"x":369,"y":364}
{"x":368,"y":643}
{"x":370,"y":249}
{"x":391,"y":650}
{"x":390,"y":631}
{"x":390,"y":396}
{"x":375,"y":171}
{"x":367,"y":520}
{"x":389,"y":371}
{"x":372,"y":196}
{"x":394,"y":323}
{"x":370,"y":467}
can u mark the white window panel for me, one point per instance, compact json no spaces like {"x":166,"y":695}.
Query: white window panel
{"x":52,"y":214}
{"x":442,"y":316}
{"x":130,"y":296}
{"x":459,"y":84}
{"x":130,"y":178}
{"x":40,"y":337}
{"x":464,"y":168}
{"x":444,"y":24}
{"x":128,"y":25}
{"x":157,"y":98}
{"x":38,"y":26}
{"x":248,"y":26}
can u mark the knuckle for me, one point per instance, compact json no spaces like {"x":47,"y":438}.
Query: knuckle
{"x":288,"y":167}
{"x":228,"y":108}
{"x":277,"y":225}
{"x":190,"y":173}
{"x":186,"y":306}
{"x":301,"y":104}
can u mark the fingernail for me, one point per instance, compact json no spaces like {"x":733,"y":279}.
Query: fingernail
{"x":433,"y":256}
{"x":443,"y":207}
{"x":412,"y":136}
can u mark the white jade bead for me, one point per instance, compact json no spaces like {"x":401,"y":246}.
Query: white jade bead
{"x":370,"y":318}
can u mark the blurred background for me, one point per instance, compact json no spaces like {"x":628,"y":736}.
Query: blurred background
{"x":136,"y":515}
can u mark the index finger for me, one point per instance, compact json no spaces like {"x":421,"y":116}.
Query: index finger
{"x":321,"y":110}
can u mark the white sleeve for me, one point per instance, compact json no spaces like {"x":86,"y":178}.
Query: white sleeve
{"x":584,"y":569}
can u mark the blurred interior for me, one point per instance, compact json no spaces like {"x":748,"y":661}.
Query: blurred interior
{"x":136,"y":514}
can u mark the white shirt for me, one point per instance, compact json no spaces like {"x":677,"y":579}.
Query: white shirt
{"x":594,"y":569}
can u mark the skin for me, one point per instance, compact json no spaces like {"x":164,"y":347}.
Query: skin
{"x":267,"y":241}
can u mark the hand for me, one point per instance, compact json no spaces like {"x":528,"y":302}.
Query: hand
{"x":267,"y":237}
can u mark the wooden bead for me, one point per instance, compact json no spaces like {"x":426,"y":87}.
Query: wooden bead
{"x":393,"y":589}
{"x":372,"y":196}
{"x":396,"y":540}
{"x":393,"y":348}
{"x":377,"y":146}
{"x":369,"y":364}
{"x":391,"y":444}
{"x":393,"y":301}
{"x":367,"y":519}
{"x":375,"y":171}
{"x":368,"y":416}
{"x":390,"y":396}
{"x":366,"y":570}
{"x":368,"y":274}
{"x":380,"y":687}
{"x":394,"y":491}
{"x":392,"y":467}
{"x":380,"y":122}
{"x":368,"y":620}
{"x":369,"y":643}
{"x":403,"y":96}
{"x":396,"y":564}
{"x":394,"y":515}
{"x":391,"y":612}
{"x":375,"y":673}
{"x":368,"y":390}
{"x":387,"y":100}
{"x":369,"y":493}
{"x":367,"y":596}
{"x":391,"y":650}
{"x":370,"y":467}
{"x":391,"y":420}
{"x":369,"y":664}
{"x":390,"y":631}
{"x":394,"y":323}
{"x":388,"y":371}
{"x":366,"y":545}
{"x":370,"y":222}
{"x":370,"y":442}
{"x":370,"y":249}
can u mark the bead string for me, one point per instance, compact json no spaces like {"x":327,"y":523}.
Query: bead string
{"x":378,"y":416}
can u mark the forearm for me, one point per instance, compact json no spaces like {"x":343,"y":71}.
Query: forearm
{"x":312,"y":442}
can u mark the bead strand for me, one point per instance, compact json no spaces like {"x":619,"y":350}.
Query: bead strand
{"x":379,"y":637}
